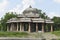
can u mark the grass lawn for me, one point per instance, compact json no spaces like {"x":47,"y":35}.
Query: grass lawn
{"x":28,"y":35}
{"x":57,"y":33}
{"x":13,"y":34}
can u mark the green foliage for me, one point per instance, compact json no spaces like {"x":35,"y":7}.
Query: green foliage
{"x":56,"y":19}
{"x":4,"y":19}
{"x":48,"y":28}
{"x":56,"y":23}
{"x":57,"y":33}
{"x":43,"y":14}
{"x":13,"y":34}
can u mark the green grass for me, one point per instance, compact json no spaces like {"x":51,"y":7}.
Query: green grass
{"x":13,"y":34}
{"x":57,"y":33}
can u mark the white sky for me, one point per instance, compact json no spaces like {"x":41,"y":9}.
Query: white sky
{"x":51,"y":7}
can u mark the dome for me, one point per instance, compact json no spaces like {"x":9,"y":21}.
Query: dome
{"x":30,"y":9}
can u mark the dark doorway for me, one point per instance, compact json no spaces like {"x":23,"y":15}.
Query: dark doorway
{"x":39,"y":26}
{"x":15,"y":27}
{"x":48,"y":28}
{"x":33,"y":27}
{"x":26,"y":26}
{"x":9,"y":25}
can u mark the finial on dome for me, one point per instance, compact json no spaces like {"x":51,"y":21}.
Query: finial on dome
{"x":30,"y":6}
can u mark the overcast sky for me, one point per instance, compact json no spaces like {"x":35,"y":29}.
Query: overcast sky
{"x":51,"y":7}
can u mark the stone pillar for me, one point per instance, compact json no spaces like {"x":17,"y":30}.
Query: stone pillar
{"x":51,"y":28}
{"x":20,"y":26}
{"x":29,"y":28}
{"x":42,"y":27}
{"x":17,"y":26}
{"x":36,"y":27}
{"x":11,"y":27}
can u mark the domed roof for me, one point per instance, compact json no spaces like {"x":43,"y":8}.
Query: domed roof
{"x":30,"y":9}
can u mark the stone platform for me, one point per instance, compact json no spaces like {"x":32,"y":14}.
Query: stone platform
{"x":16,"y":38}
{"x":11,"y":38}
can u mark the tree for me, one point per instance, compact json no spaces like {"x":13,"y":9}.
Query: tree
{"x":4,"y":19}
{"x":43,"y":14}
{"x":56,"y":23}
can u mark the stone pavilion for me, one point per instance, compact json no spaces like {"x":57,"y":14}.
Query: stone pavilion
{"x":29,"y":21}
